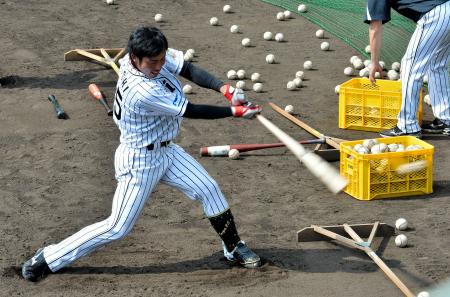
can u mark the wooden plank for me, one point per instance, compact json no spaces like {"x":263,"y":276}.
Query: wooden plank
{"x":363,"y":230}
{"x":334,"y":236}
{"x":73,"y":55}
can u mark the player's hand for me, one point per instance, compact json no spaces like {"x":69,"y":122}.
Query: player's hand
{"x":246,"y":111}
{"x":374,"y":68}
{"x":235,"y":96}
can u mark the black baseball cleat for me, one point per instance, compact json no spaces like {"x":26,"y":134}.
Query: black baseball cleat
{"x":36,"y":267}
{"x":436,"y":127}
{"x":245,"y":256}
{"x":397,"y":132}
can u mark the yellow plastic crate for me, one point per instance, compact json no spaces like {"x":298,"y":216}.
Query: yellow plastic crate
{"x":371,"y":107}
{"x":373,"y":176}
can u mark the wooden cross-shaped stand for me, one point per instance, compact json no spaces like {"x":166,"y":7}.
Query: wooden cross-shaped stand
{"x":106,"y":57}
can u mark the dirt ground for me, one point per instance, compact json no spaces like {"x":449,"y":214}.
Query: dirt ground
{"x":57,"y":176}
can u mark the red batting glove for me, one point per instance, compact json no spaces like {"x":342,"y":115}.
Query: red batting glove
{"x":246,"y":111}
{"x":235,"y":96}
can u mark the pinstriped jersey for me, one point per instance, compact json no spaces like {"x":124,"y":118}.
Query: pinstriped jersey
{"x":149,"y":110}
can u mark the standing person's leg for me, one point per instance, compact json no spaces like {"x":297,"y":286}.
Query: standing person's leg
{"x":186,"y":174}
{"x":137,"y":173}
{"x":425,"y":39}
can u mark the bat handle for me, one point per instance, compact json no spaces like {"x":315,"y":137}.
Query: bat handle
{"x":60,"y":113}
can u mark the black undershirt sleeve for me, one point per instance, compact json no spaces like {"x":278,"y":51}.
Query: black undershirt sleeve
{"x":208,"y":112}
{"x":200,"y":77}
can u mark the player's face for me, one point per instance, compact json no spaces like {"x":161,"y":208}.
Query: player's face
{"x":150,"y":66}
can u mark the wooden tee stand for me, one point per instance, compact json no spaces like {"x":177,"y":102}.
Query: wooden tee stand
{"x":337,"y":232}
{"x":106,"y":57}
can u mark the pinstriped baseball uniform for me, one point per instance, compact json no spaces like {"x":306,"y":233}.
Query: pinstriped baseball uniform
{"x":148,"y":113}
{"x":428,"y":52}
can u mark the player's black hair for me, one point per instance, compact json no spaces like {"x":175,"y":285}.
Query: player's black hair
{"x":147,"y":42}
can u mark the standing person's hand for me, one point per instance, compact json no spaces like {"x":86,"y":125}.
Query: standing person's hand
{"x":374,"y":68}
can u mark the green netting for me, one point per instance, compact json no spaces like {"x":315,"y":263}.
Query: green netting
{"x":344,"y":20}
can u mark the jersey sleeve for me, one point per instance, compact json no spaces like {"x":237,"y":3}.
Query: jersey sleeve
{"x":155,"y":102}
{"x":378,"y":10}
{"x":174,"y":61}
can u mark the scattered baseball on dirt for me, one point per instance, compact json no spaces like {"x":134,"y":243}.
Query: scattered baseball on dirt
{"x":187,"y":89}
{"x":258,"y":87}
{"x":320,"y":33}
{"x":287,"y":14}
{"x":395,"y":66}
{"x":358,"y":64}
{"x":325,"y":46}
{"x":353,"y":58}
{"x":234,"y":29}
{"x":337,"y":89}
{"x":302,"y":8}
{"x":423,"y":294}
{"x":401,"y":224}
{"x":290,"y":85}
{"x":240,"y":85}
{"x":226,"y":8}
{"x":289,"y":109}
{"x":188,"y":56}
{"x":109,"y":2}
{"x":191,"y":51}
{"x":270,"y":58}
{"x":268,"y":35}
{"x":279,"y":37}
{"x":158,"y":18}
{"x":348,"y":71}
{"x":308,"y":65}
{"x":401,"y":240}
{"x":298,"y":82}
{"x":367,"y":49}
{"x":427,"y":99}
{"x":300,"y":74}
{"x":231,"y":74}
{"x":233,"y":154}
{"x":246,"y":42}
{"x":255,"y":77}
{"x":241,"y":73}
{"x":214,"y":21}
{"x":280,"y":16}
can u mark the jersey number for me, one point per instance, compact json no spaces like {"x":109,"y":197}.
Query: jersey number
{"x":117,"y":107}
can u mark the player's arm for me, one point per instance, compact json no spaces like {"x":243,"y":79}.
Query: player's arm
{"x":210,"y":112}
{"x":204,"y":79}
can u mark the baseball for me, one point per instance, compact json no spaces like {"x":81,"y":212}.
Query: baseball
{"x":358,"y":64}
{"x":234,"y":29}
{"x":268,"y":35}
{"x":393,"y":75}
{"x":367,"y":49}
{"x":240,"y":85}
{"x":270,"y":58}
{"x":353,"y":58}
{"x":287,"y":14}
{"x":396,"y":66}
{"x":302,"y":8}
{"x":427,"y":99}
{"x":255,"y":77}
{"x":363,"y":151}
{"x":188,"y":56}
{"x":290,"y":85}
{"x":187,"y":89}
{"x":393,"y":147}
{"x":280,"y":16}
{"x":258,"y":87}
{"x":279,"y":37}
{"x":320,"y":33}
{"x":377,"y":75}
{"x":348,"y":71}
{"x":423,"y":294}
{"x":158,"y":18}
{"x":364,"y":72}
{"x":337,"y":89}
{"x":246,"y":42}
{"x":241,"y":73}
{"x":231,"y":74}
{"x":379,"y":148}
{"x":214,"y":21}
{"x":192,"y":51}
{"x":289,"y":109}
{"x":227,"y":8}
{"x":233,"y":154}
{"x":401,"y":224}
{"x":308,"y":65}
{"x":401,"y":148}
{"x":109,"y":2}
{"x":382,"y":64}
{"x":368,"y":143}
{"x":325,"y":46}
{"x":357,"y":147}
{"x":425,"y":79}
{"x":401,"y":240}
{"x":298,"y":82}
{"x":367,"y":63}
{"x":414,"y":147}
{"x":300,"y":74}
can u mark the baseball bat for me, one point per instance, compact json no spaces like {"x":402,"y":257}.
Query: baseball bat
{"x":223,"y":150}
{"x":60,"y":113}
{"x":98,"y":95}
{"x":314,"y":163}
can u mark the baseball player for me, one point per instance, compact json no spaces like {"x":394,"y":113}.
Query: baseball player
{"x":428,"y":52}
{"x":148,"y":109}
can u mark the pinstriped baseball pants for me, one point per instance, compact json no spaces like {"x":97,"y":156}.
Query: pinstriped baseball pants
{"x":138,"y":171}
{"x":428,"y":52}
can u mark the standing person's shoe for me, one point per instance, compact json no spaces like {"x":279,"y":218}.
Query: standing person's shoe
{"x":397,"y":132}
{"x":244,"y":256}
{"x":436,"y":127}
{"x":36,"y":267}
